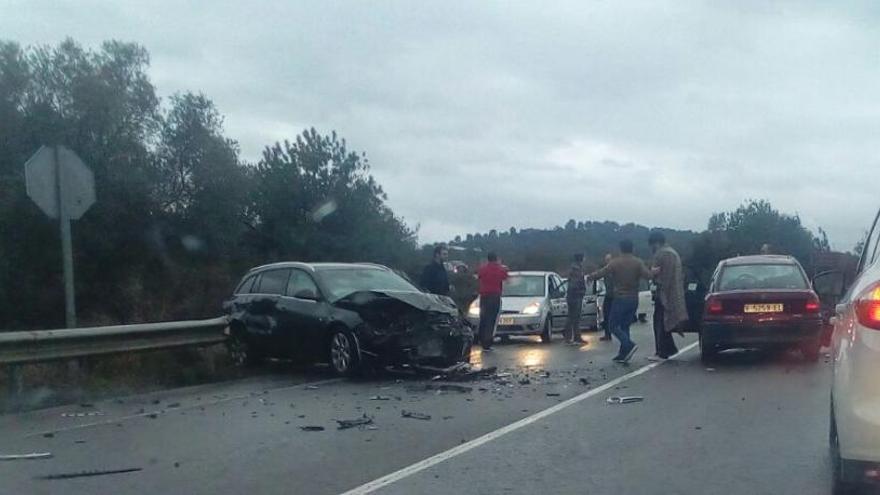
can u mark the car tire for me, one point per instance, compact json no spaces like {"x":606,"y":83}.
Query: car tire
{"x":708,"y":351}
{"x":344,"y":354}
{"x":547,"y":332}
{"x":811,"y":350}
{"x":839,"y":486}
{"x":241,"y":351}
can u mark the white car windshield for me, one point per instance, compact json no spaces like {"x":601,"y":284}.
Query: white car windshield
{"x":524,"y":286}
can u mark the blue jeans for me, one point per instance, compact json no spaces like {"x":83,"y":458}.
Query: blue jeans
{"x":623,"y":312}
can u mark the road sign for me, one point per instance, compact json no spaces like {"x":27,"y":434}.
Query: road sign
{"x":64,"y":188}
{"x":77,"y":184}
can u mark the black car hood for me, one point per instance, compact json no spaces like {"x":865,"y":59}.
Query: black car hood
{"x":402,"y":301}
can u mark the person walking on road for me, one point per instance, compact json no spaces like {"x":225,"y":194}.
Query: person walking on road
{"x":577,"y":289}
{"x":607,"y":301}
{"x":492,"y":276}
{"x":669,"y":306}
{"x":626,"y":272}
{"x":434,"y":277}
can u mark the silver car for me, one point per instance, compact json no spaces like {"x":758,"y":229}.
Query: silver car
{"x":533,"y":303}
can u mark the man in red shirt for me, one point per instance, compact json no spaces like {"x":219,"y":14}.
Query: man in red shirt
{"x":492,"y":276}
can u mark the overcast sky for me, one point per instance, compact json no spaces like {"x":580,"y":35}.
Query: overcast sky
{"x":480,"y":115}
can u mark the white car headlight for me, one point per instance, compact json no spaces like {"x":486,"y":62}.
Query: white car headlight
{"x":532,"y":309}
{"x":474,"y":309}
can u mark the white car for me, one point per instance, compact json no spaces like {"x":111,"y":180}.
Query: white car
{"x":533,"y":303}
{"x":855,"y":390}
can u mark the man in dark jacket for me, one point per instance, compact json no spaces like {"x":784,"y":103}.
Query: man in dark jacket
{"x":434,"y":277}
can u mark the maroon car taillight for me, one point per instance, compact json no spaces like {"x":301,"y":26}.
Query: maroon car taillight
{"x":812,"y":305}
{"x":714,"y":306}
{"x":868,"y":307}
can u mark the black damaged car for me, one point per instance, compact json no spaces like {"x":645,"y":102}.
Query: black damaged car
{"x":348,"y":315}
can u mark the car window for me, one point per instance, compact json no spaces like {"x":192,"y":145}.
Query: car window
{"x":525,"y":286}
{"x":869,"y":254}
{"x":273,"y":282}
{"x":341,"y":282}
{"x":300,"y":281}
{"x":245,"y":286}
{"x":762,"y":276}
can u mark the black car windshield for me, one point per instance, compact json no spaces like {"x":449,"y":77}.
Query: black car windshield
{"x":524,"y":286}
{"x":340,"y":282}
{"x":762,"y":276}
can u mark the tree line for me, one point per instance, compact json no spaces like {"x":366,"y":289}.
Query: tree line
{"x":180,"y":215}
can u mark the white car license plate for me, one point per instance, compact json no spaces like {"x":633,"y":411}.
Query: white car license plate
{"x":505,"y":320}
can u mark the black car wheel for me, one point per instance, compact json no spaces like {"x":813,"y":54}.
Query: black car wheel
{"x":708,"y":351}
{"x":241,"y":351}
{"x":344,"y":352}
{"x":547,"y":333}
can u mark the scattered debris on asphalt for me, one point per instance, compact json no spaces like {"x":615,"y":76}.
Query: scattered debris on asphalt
{"x":84,"y":474}
{"x":311,"y":428}
{"x":26,"y":457}
{"x":312,"y":387}
{"x":82,"y":414}
{"x":584,"y":381}
{"x":443,"y":387}
{"x":380,"y":397}
{"x":173,"y":405}
{"x":345,"y":424}
{"x":524,"y":381}
{"x":49,"y":435}
{"x":625,"y":400}
{"x":415,"y":415}
{"x":553,"y":394}
{"x":698,"y":427}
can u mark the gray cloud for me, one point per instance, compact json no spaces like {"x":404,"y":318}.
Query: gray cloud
{"x":498,"y":114}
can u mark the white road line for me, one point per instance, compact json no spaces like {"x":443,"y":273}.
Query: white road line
{"x":412,"y":469}
{"x":119,"y":419}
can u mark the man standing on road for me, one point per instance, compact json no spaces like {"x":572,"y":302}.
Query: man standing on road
{"x":492,"y":276}
{"x":626,"y":272}
{"x":607,"y":301}
{"x":434,"y":277}
{"x":669,"y":306}
{"x":577,"y":289}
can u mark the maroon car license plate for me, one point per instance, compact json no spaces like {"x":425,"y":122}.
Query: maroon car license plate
{"x":763,"y":308}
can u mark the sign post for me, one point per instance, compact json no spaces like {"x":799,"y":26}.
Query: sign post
{"x":64,"y":188}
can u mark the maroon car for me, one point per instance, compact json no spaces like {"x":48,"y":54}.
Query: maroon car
{"x":761,"y":301}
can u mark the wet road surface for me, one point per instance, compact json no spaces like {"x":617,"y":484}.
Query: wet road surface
{"x":755,"y":424}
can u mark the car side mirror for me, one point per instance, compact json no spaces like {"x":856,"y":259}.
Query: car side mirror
{"x":307,"y":294}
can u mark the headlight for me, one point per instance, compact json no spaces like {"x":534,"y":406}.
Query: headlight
{"x":474,"y":309}
{"x":532,"y":309}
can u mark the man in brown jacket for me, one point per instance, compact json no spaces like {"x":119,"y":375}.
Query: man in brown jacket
{"x":626,"y":271}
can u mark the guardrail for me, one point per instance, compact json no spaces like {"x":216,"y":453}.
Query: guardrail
{"x":37,"y":346}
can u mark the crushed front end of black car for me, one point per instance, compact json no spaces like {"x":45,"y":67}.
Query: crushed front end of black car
{"x":409,"y":328}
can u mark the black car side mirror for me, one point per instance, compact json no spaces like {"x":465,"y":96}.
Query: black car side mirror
{"x":306,"y":294}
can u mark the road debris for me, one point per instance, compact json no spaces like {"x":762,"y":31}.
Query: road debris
{"x":345,"y":424}
{"x":380,"y":397}
{"x":584,"y":381}
{"x":442,"y":387}
{"x":311,"y":428}
{"x":82,"y":414}
{"x":312,"y":387}
{"x":625,"y":400}
{"x":553,"y":394}
{"x":49,"y":435}
{"x":415,"y":415}
{"x":84,"y":474}
{"x":524,"y":381}
{"x":26,"y":457}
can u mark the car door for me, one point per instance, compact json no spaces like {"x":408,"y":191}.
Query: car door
{"x":694,"y":299}
{"x":301,"y":308}
{"x":263,"y":316}
{"x":558,"y":305}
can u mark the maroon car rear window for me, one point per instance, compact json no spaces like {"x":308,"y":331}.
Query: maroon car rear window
{"x":762,"y":276}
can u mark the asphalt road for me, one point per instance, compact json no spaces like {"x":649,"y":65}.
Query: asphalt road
{"x":755,"y":424}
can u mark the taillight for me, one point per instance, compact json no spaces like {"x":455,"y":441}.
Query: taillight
{"x":714,"y":306}
{"x":868,"y":307}
{"x":812,"y":305}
